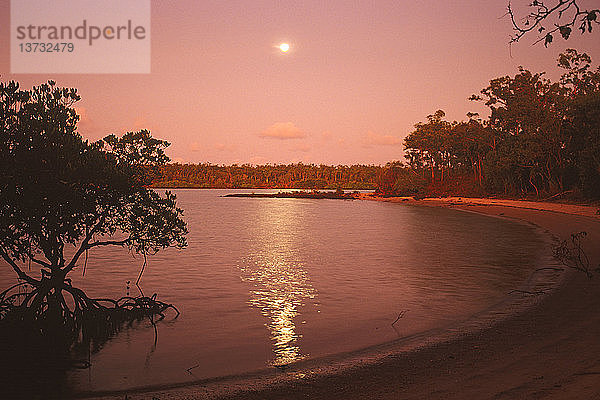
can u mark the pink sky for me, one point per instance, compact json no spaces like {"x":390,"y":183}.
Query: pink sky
{"x":358,"y":76}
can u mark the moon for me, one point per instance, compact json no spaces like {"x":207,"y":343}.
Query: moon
{"x":284,"y":47}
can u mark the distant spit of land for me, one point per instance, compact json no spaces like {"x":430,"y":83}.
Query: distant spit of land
{"x":338,"y":195}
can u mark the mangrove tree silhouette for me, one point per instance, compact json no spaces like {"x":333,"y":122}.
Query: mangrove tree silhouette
{"x":62,"y":196}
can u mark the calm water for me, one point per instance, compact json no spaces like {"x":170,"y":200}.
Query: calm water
{"x":270,"y":281}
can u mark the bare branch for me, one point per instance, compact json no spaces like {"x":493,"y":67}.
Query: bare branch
{"x":401,"y":315}
{"x":22,"y":275}
{"x":535,"y":20}
{"x":572,"y":255}
{"x":40,"y":262}
{"x":109,"y":243}
{"x":83,"y":247}
{"x":527,"y":292}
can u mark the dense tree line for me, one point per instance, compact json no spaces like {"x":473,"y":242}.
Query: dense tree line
{"x":302,"y":176}
{"x":542,"y":138}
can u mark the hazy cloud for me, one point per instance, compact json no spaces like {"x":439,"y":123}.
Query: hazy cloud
{"x":302,"y":147}
{"x":283,"y":130}
{"x":375,"y":139}
{"x":138,"y":124}
{"x":326,"y":135}
{"x":225,"y":147}
{"x":195,"y":146}
{"x":257,"y":160}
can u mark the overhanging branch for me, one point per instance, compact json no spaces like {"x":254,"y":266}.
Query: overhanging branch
{"x":22,"y":275}
{"x":40,"y":262}
{"x":534,"y":20}
{"x":109,"y":243}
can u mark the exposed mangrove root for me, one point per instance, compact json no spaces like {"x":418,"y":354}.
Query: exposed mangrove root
{"x":63,"y":314}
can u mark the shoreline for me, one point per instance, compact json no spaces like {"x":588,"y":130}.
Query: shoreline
{"x":564,"y":208}
{"x":405,"y":369}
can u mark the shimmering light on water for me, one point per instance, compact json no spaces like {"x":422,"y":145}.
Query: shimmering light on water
{"x":270,"y":281}
{"x":280,"y":284}
{"x":279,"y":289}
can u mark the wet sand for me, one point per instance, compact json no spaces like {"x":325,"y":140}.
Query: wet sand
{"x":532,"y":347}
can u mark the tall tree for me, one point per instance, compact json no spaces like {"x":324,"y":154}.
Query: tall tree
{"x":427,"y":146}
{"x":527,"y":115}
{"x":582,"y":119}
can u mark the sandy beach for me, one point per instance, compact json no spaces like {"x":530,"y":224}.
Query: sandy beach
{"x":530,"y":347}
